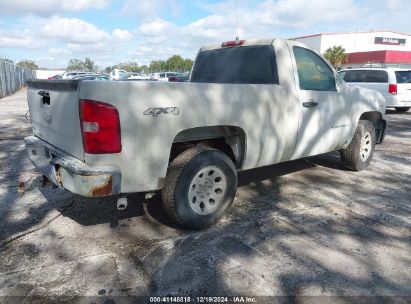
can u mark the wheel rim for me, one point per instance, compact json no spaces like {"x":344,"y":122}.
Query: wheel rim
{"x":207,"y":190}
{"x":366,"y":146}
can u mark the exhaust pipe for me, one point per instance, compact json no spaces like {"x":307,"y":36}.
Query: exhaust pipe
{"x":122,"y":203}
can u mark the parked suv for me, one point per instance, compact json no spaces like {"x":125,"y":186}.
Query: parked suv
{"x":163,"y":76}
{"x":393,"y":83}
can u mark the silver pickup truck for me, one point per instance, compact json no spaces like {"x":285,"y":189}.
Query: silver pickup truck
{"x":248,"y":104}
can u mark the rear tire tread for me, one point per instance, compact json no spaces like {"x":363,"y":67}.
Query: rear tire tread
{"x":174,"y":172}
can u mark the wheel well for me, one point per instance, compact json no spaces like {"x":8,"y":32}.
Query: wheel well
{"x":379,"y":124}
{"x":229,"y":139}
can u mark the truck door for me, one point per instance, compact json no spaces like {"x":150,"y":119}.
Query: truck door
{"x":279,"y":128}
{"x":325,"y":120}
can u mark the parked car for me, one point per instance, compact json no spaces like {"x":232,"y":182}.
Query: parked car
{"x":393,"y":83}
{"x":117,"y":74}
{"x":92,"y":77}
{"x":278,"y":101}
{"x":57,"y":76}
{"x":163,"y":76}
{"x":137,"y":76}
{"x":72,"y":74}
{"x":180,"y":78}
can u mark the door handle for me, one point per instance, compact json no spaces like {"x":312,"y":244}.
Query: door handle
{"x":310,"y":104}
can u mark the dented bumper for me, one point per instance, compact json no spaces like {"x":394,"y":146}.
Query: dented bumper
{"x":70,"y":173}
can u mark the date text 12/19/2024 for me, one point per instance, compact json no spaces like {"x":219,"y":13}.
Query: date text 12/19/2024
{"x":203,"y":299}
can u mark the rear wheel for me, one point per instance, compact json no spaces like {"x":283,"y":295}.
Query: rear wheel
{"x":200,"y":185}
{"x":402,"y":109}
{"x":358,"y":154}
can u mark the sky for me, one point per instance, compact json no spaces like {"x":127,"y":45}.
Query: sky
{"x":51,"y":32}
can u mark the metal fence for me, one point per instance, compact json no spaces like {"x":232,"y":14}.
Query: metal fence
{"x":13,"y":77}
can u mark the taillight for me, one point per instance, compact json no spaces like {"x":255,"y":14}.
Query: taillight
{"x":100,"y":126}
{"x":233,"y":43}
{"x":392,"y":88}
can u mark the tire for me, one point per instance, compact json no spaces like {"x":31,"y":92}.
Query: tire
{"x":402,"y":109}
{"x":200,"y":185}
{"x":358,"y":154}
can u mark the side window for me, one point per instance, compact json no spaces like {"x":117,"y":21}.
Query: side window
{"x":313,"y":73}
{"x":162,"y":75}
{"x":376,"y":76}
{"x":403,"y":76}
{"x":355,"y":76}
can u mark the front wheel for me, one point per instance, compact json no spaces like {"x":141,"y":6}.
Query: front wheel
{"x":402,"y":109}
{"x":358,"y":154}
{"x":200,"y":185}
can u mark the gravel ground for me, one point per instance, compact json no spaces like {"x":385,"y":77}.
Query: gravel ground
{"x":306,"y":230}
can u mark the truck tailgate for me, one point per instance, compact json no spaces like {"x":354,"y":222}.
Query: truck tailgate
{"x":54,"y":112}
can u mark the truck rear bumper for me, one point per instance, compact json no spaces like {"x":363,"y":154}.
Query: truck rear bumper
{"x":70,"y":173}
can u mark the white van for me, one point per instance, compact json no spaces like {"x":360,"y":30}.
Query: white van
{"x":393,"y":83}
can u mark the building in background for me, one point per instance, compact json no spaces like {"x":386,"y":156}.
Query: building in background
{"x":45,"y":74}
{"x":370,"y":49}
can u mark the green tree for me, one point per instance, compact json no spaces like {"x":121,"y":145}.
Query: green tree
{"x":336,"y":56}
{"x":144,"y":69}
{"x":175,"y":63}
{"x":188,"y":64}
{"x":129,"y":66}
{"x":75,"y":64}
{"x":28,"y":64}
{"x":86,"y":65}
{"x":158,"y":65}
{"x":89,"y":65}
{"x":109,"y":69}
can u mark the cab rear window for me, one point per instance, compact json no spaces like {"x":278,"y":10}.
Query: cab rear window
{"x":246,"y":64}
{"x":403,"y":76}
